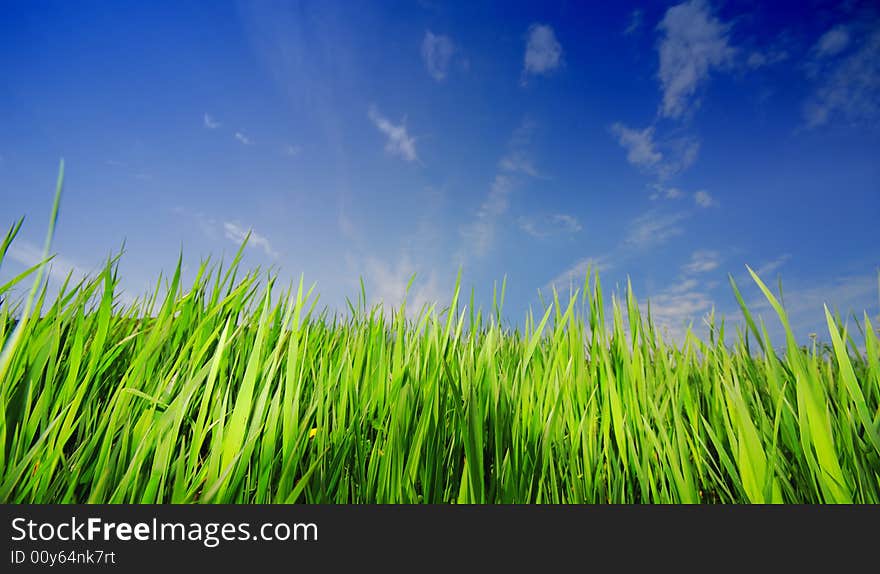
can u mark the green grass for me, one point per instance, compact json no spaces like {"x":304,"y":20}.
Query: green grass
{"x":234,"y":390}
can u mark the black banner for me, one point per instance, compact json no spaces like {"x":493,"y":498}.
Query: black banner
{"x":130,"y":538}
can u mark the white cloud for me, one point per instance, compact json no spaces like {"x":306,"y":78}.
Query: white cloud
{"x":688,"y":149}
{"x":30,"y":254}
{"x":678,"y":154}
{"x":687,"y":299}
{"x":654,"y":228}
{"x":577,"y":272}
{"x":210,"y":122}
{"x":848,"y":87}
{"x":673,"y":309}
{"x":479,"y":234}
{"x":399,"y":143}
{"x":59,"y":267}
{"x":847,"y":293}
{"x":758,"y":60}
{"x":635,"y":22}
{"x":663,"y":192}
{"x":236,"y":233}
{"x":771,"y":266}
{"x":663,"y":159}
{"x":683,"y":286}
{"x":702,"y":261}
{"x":388,"y":282}
{"x":292,"y":150}
{"x":566,"y":222}
{"x":207,"y":225}
{"x":346,"y":225}
{"x":693,"y":42}
{"x":556,"y":224}
{"x":518,"y":162}
{"x":832,"y":42}
{"x":437,"y":52}
{"x":639,"y":145}
{"x":704,"y":199}
{"x":522,"y":135}
{"x":243,"y":138}
{"x":543,"y":51}
{"x":233,"y":231}
{"x":529,"y":225}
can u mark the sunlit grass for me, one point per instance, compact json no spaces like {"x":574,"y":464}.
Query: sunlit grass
{"x":232,"y":389}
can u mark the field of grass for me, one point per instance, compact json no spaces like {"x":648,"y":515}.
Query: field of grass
{"x":235,"y":390}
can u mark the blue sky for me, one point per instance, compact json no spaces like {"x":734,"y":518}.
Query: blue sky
{"x":669,"y":143}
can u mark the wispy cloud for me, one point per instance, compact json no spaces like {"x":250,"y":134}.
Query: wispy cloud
{"x":207,"y":225}
{"x":663,"y":192}
{"x":677,"y":307}
{"x":653,"y":228}
{"x":704,"y":199}
{"x":237,"y":234}
{"x":387,"y":282}
{"x":59,"y":268}
{"x":702,"y":260}
{"x":231,"y":230}
{"x":687,"y":298}
{"x":210,"y":122}
{"x":848,"y":83}
{"x":437,"y":53}
{"x":683,"y":285}
{"x":543,"y":51}
{"x":832,"y":42}
{"x":518,"y":161}
{"x":769,"y":267}
{"x":662,"y":159}
{"x":851,"y":293}
{"x":693,"y":42}
{"x":30,"y":254}
{"x":635,"y":22}
{"x":676,"y":302}
{"x":763,"y":59}
{"x":522,"y":136}
{"x":568,"y":223}
{"x":399,"y":143}
{"x":529,"y":225}
{"x":346,"y":226}
{"x":639,"y":144}
{"x":291,"y":150}
{"x":241,"y":137}
{"x":660,"y":191}
{"x":550,"y":225}
{"x":479,"y":234}
{"x":576,"y":274}
{"x":847,"y":293}
{"x":681,"y":153}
